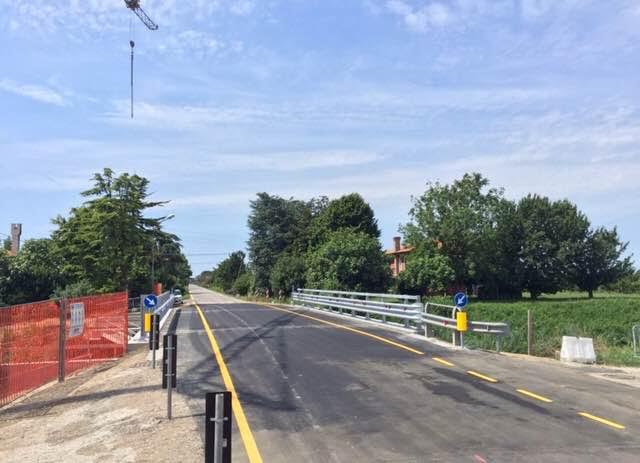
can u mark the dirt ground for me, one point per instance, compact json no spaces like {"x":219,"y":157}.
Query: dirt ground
{"x":115,"y":412}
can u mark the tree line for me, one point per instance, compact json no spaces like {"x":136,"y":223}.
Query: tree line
{"x":316,"y":243}
{"x":104,"y":245}
{"x":465,"y":234}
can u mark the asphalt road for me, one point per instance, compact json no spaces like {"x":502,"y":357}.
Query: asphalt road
{"x":313,"y":391}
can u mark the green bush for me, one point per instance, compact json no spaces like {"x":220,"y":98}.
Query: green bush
{"x":424,"y":274}
{"x":287,"y":273}
{"x":629,"y":284}
{"x":243,"y":284}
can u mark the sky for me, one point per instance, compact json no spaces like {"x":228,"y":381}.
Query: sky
{"x":318,"y":97}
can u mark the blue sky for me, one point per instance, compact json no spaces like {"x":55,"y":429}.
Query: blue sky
{"x":303,"y":98}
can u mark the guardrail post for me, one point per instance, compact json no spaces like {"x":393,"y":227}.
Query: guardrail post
{"x":141,"y":317}
{"x":455,"y":334}
{"x":529,"y":331}
{"x":498,"y":337}
{"x":428,"y":329}
{"x":62,"y":340}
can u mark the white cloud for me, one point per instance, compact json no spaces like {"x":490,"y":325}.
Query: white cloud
{"x":289,"y":161}
{"x":183,"y":117}
{"x":35,"y":92}
{"x":421,"y":20}
{"x":242,"y":7}
{"x":78,"y":18}
{"x":191,"y":41}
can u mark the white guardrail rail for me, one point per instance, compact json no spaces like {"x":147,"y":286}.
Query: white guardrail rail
{"x":397,"y":309}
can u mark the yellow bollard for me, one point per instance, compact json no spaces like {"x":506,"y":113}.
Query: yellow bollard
{"x":147,"y":322}
{"x":461,"y":321}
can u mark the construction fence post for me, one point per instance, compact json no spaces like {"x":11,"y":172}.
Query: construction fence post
{"x":62,"y":339}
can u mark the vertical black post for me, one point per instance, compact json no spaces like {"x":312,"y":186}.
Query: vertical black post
{"x":62,"y":338}
{"x":218,"y":427}
{"x":169,"y":348}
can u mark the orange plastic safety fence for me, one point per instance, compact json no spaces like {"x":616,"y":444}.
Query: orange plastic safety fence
{"x":30,"y":340}
{"x":105,"y":331}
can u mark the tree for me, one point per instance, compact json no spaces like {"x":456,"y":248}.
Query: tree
{"x":598,"y":260}
{"x":243,"y":284}
{"x":347,"y":212}
{"x":205,"y":278}
{"x":34,"y":274}
{"x":349,"y":261}
{"x":276,"y":225}
{"x":287,"y":273}
{"x":551,"y":231}
{"x":426,"y":274}
{"x":498,"y":257}
{"x":228,"y":271}
{"x":4,"y":278}
{"x":627,"y":284}
{"x":456,"y":217}
{"x":108,"y":240}
{"x":172,"y":266}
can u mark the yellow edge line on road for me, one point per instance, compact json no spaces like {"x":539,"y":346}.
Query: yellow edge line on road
{"x":535,"y":396}
{"x":348,"y":328}
{"x":443,"y":361}
{"x":601,"y":420}
{"x":243,"y":425}
{"x":481,"y":376}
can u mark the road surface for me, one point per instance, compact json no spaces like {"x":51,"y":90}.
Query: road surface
{"x":319,"y":388}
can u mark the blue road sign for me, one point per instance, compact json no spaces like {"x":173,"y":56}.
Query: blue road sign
{"x":150,"y":301}
{"x":460,"y":300}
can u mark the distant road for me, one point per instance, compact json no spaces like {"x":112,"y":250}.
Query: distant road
{"x":317,"y":388}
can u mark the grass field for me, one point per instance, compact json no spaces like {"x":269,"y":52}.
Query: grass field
{"x":607,"y":318}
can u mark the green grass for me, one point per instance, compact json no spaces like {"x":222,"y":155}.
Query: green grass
{"x":607,"y":318}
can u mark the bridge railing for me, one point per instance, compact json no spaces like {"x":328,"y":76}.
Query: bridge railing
{"x":165,"y":302}
{"x":398,"y":309}
{"x":387,"y":308}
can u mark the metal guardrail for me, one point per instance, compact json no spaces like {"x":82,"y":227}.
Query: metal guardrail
{"x":635,"y":334}
{"x":165,"y":302}
{"x":386,"y":309}
{"x":322,"y":299}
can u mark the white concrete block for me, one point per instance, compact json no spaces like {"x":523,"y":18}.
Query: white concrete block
{"x":569,"y":350}
{"x":577,"y":350}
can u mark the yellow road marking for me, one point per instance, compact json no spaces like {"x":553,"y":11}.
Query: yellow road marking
{"x":601,"y":420}
{"x":348,"y":328}
{"x":245,"y":431}
{"x":443,"y":361}
{"x":481,"y":376}
{"x":535,"y":396}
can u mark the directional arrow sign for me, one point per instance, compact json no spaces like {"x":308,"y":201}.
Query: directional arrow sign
{"x":460,"y":300}
{"x":150,"y":301}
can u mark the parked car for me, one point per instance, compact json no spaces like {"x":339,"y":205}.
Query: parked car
{"x":177,"y":297}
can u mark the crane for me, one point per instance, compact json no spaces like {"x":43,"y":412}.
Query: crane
{"x":134,"y":5}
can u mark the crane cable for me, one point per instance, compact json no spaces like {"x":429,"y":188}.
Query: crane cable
{"x":132,"y":44}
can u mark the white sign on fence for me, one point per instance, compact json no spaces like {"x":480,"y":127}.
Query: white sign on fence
{"x":77,"y":319}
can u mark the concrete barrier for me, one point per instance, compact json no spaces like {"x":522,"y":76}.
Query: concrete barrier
{"x":578,"y":350}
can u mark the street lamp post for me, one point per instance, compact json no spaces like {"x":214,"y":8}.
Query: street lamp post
{"x":153,"y":255}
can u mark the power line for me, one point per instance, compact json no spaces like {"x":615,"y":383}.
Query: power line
{"x":208,"y":254}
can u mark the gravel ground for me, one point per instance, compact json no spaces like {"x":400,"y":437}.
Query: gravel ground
{"x":114,"y":412}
